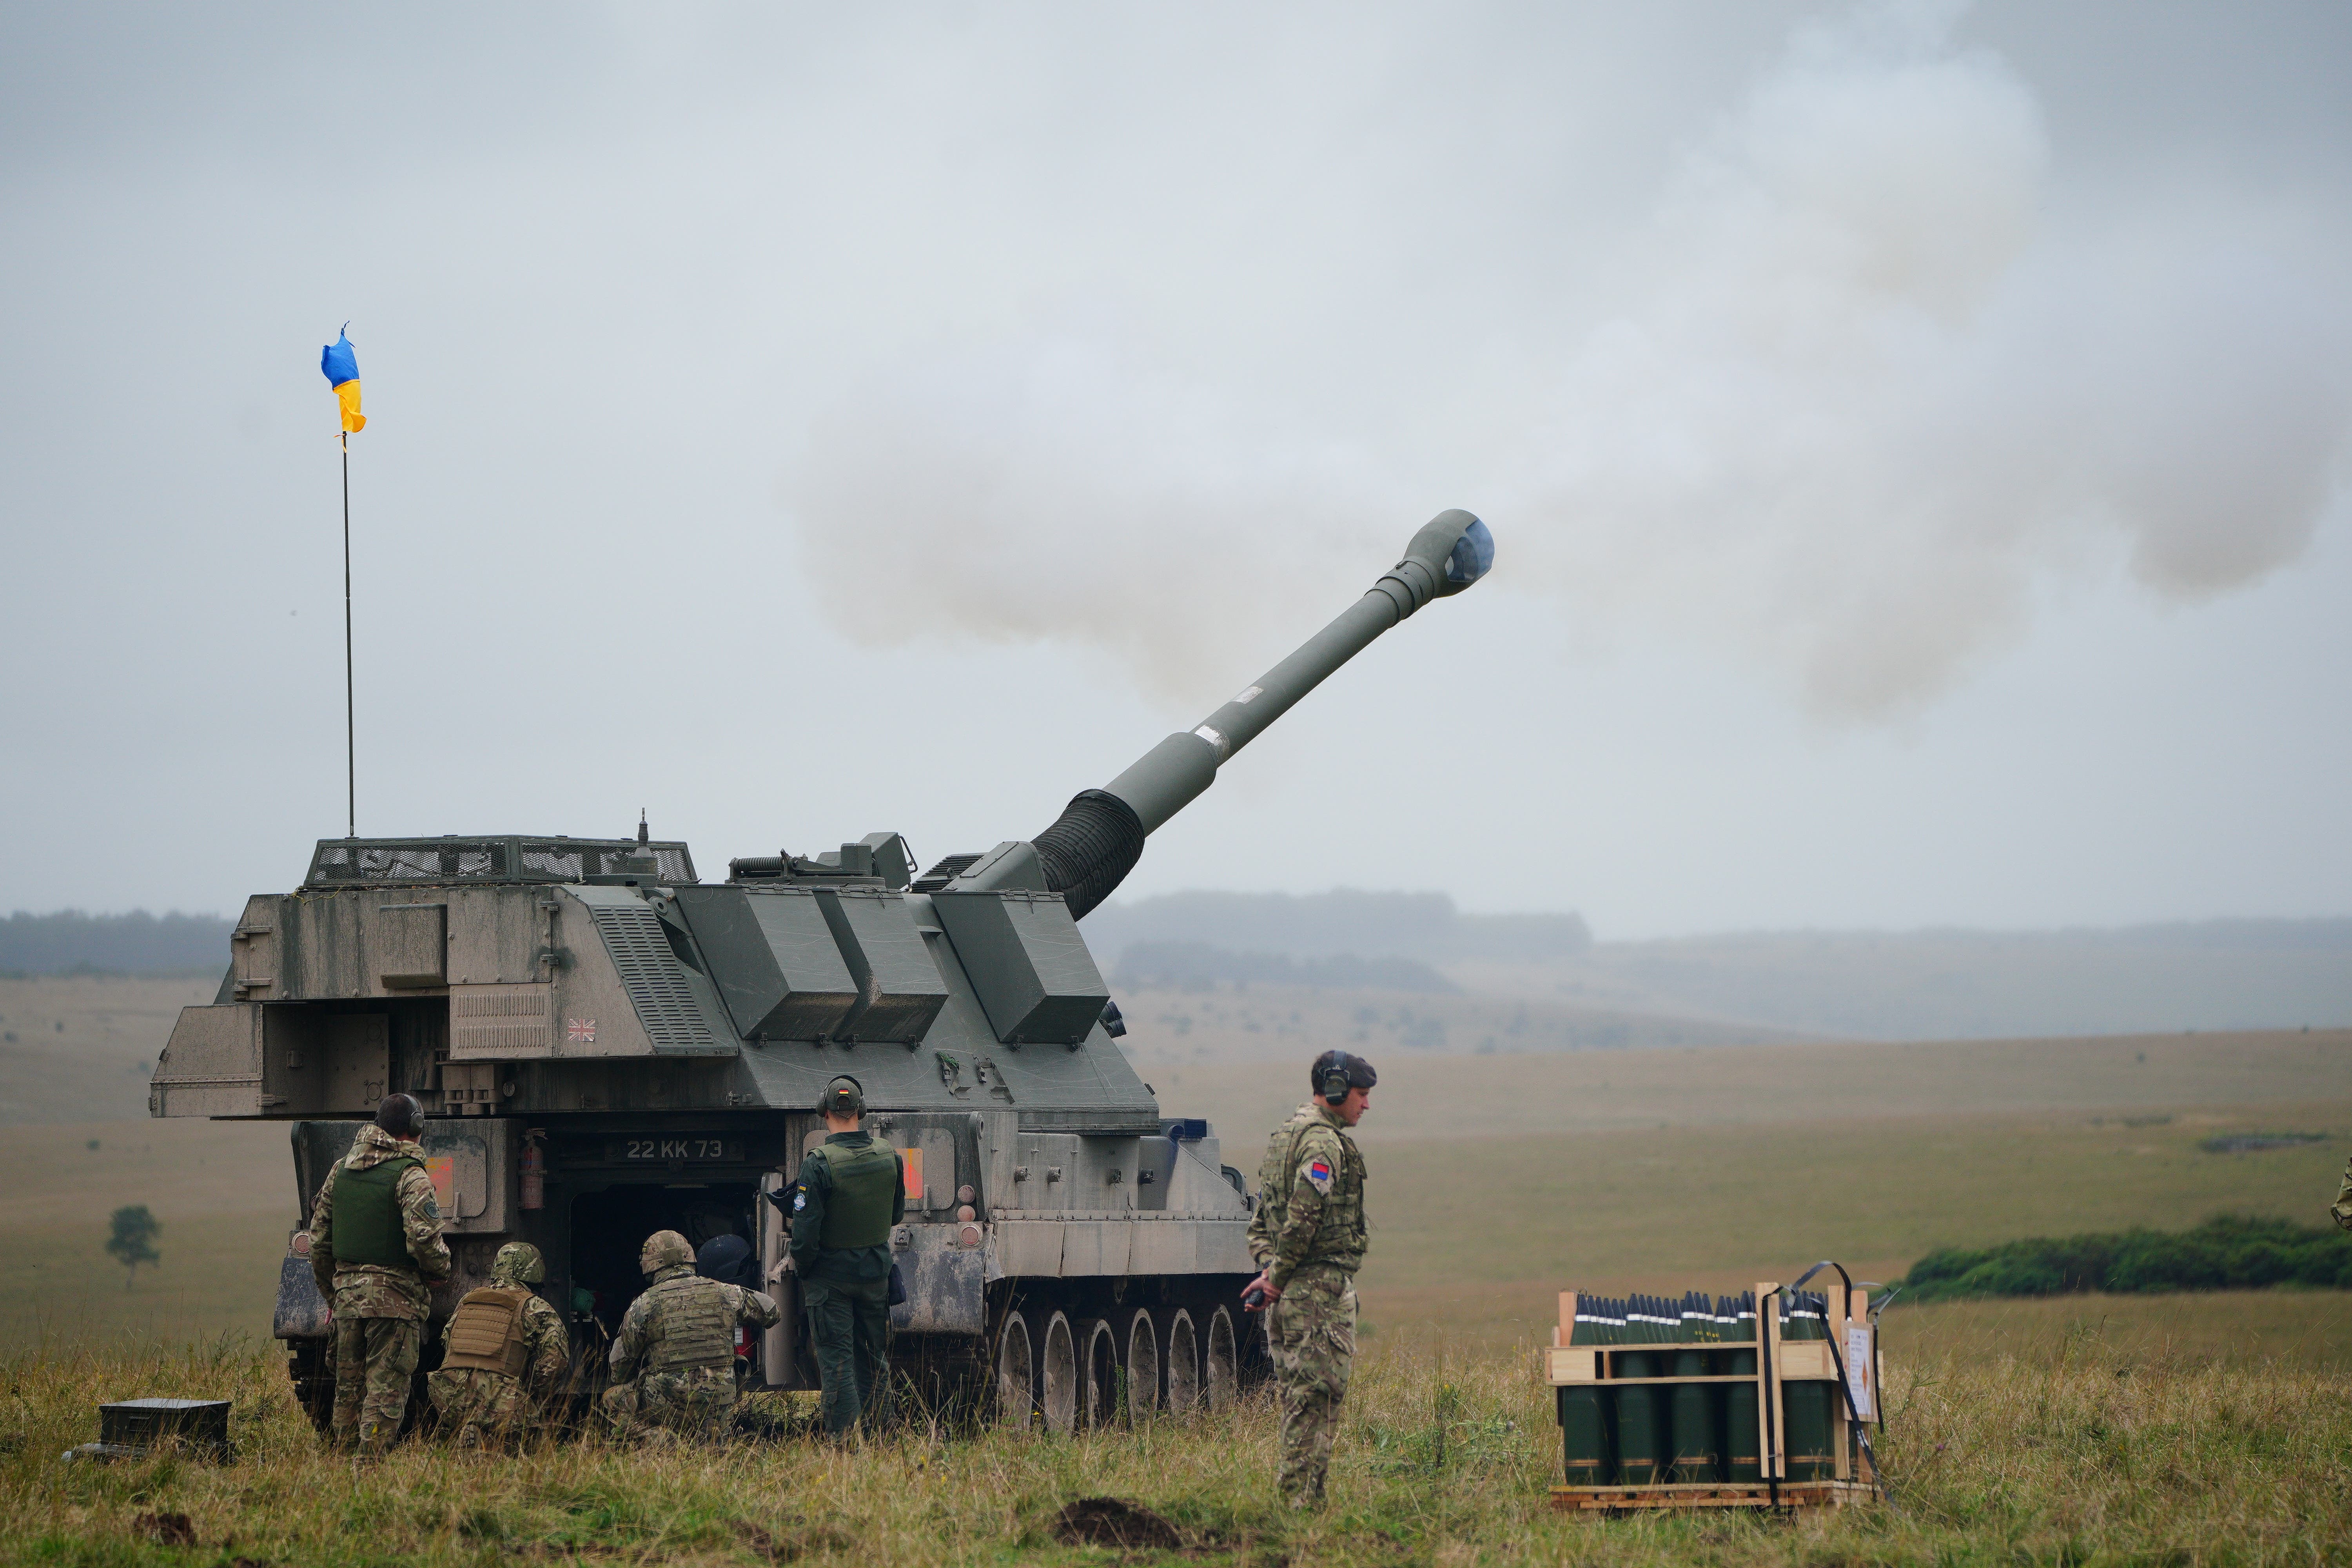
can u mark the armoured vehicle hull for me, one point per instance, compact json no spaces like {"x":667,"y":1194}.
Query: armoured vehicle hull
{"x":608,"y":1046}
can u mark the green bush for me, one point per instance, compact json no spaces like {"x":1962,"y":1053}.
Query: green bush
{"x":2228,"y":1252}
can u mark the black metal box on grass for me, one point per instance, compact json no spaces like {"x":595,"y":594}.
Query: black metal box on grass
{"x":133,"y":1426}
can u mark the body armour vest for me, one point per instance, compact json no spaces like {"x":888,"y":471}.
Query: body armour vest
{"x":486,"y":1331}
{"x":865,"y":1188}
{"x":366,"y":1215}
{"x":1340,"y":1236}
{"x":696,"y":1319}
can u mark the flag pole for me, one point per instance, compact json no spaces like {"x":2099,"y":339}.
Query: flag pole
{"x":350,"y":729}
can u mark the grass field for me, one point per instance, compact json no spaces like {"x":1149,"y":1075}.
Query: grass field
{"x":2070,"y":1446}
{"x":2180,"y":1430}
{"x":79,"y":1047}
{"x":1495,"y":1181}
{"x":224,"y":1192}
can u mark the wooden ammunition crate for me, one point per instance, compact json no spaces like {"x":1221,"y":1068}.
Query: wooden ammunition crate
{"x":1778,"y":1363}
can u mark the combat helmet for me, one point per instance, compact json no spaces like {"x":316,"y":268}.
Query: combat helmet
{"x":664,"y":1249}
{"x":518,"y":1263}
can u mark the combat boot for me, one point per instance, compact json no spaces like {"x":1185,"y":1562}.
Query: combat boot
{"x":377,"y":1438}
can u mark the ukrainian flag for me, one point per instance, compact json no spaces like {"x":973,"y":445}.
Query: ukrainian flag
{"x":342,"y":369}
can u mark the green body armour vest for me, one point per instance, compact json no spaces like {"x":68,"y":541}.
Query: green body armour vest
{"x":697,"y":1322}
{"x":366,"y":1218}
{"x":865,"y":1189}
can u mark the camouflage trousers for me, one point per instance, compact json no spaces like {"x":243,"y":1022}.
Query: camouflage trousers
{"x":849,"y":1334}
{"x":694,"y":1402}
{"x":476,"y":1407}
{"x":1312,"y":1332}
{"x":374,"y":1360}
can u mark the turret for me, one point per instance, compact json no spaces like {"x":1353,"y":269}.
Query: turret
{"x":1098,"y":839}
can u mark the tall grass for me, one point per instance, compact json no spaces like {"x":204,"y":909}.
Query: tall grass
{"x":2072,"y":1452}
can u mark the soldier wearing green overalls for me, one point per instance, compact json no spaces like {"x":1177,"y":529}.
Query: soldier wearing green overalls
{"x":850,"y":1193}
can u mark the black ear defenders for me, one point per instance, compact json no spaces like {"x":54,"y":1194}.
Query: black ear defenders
{"x":1333,"y":1077}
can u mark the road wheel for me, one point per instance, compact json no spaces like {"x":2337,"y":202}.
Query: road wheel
{"x":1183,"y":1358}
{"x":1016,"y":1373}
{"x":1099,"y":1373}
{"x":1142,"y":1367}
{"x":1058,"y":1377}
{"x":1222,"y":1373}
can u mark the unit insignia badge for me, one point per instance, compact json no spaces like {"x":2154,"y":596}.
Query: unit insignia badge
{"x":1319,"y":1172}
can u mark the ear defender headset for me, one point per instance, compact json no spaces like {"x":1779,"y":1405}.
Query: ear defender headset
{"x":1331,"y":1076}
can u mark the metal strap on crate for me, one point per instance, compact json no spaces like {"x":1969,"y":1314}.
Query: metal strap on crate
{"x":1845,"y":1386}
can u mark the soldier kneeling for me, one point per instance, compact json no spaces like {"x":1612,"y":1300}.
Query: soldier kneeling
{"x":674,"y":1361}
{"x":503,"y":1355}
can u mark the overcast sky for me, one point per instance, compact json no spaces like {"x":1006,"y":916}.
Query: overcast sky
{"x":1918,"y":440}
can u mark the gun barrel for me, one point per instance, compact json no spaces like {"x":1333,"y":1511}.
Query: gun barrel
{"x":1098,"y":837}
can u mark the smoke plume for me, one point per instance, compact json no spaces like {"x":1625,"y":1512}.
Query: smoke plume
{"x":1854,"y":383}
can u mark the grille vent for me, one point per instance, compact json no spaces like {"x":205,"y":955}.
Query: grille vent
{"x":655,"y":982}
{"x":501,"y":1021}
{"x":568,"y":862}
{"x":946,"y":871}
{"x":439,"y":861}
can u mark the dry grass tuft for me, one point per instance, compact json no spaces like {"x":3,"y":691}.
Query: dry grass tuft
{"x":2073,"y":1450}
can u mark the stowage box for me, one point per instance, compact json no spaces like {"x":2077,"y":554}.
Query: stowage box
{"x":1037,"y":981}
{"x":775,"y":959}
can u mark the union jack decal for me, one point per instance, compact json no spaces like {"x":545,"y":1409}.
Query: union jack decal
{"x":580,"y":1031}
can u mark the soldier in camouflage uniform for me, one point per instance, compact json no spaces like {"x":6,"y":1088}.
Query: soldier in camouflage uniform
{"x":1307,"y":1236}
{"x":674,"y":1361}
{"x":376,"y":1252}
{"x":503,"y":1355}
{"x":2342,"y":1208}
{"x":850,"y":1191}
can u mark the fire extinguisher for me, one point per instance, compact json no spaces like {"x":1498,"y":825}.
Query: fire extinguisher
{"x":534,"y":1170}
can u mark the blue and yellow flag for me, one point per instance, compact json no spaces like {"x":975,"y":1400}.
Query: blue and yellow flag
{"x":342,"y":369}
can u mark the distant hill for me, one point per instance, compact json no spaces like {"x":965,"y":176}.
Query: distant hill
{"x":1343,"y":923}
{"x":1196,"y":965}
{"x":1976,"y":984}
{"x":71,"y":942}
{"x":1893,"y":986}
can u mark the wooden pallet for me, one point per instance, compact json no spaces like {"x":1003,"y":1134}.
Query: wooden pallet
{"x":1785,"y":1496}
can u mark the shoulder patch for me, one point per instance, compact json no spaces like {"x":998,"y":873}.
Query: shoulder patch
{"x":800,"y":1200}
{"x":1318,"y":1173}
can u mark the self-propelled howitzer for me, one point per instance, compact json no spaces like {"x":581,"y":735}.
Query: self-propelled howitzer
{"x":608,"y":1046}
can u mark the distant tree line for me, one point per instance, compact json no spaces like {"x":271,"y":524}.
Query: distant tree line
{"x":1196,"y":965}
{"x":2223,"y":1254}
{"x":72,"y":943}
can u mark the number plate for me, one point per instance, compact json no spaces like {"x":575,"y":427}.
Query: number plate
{"x":682,"y":1148}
